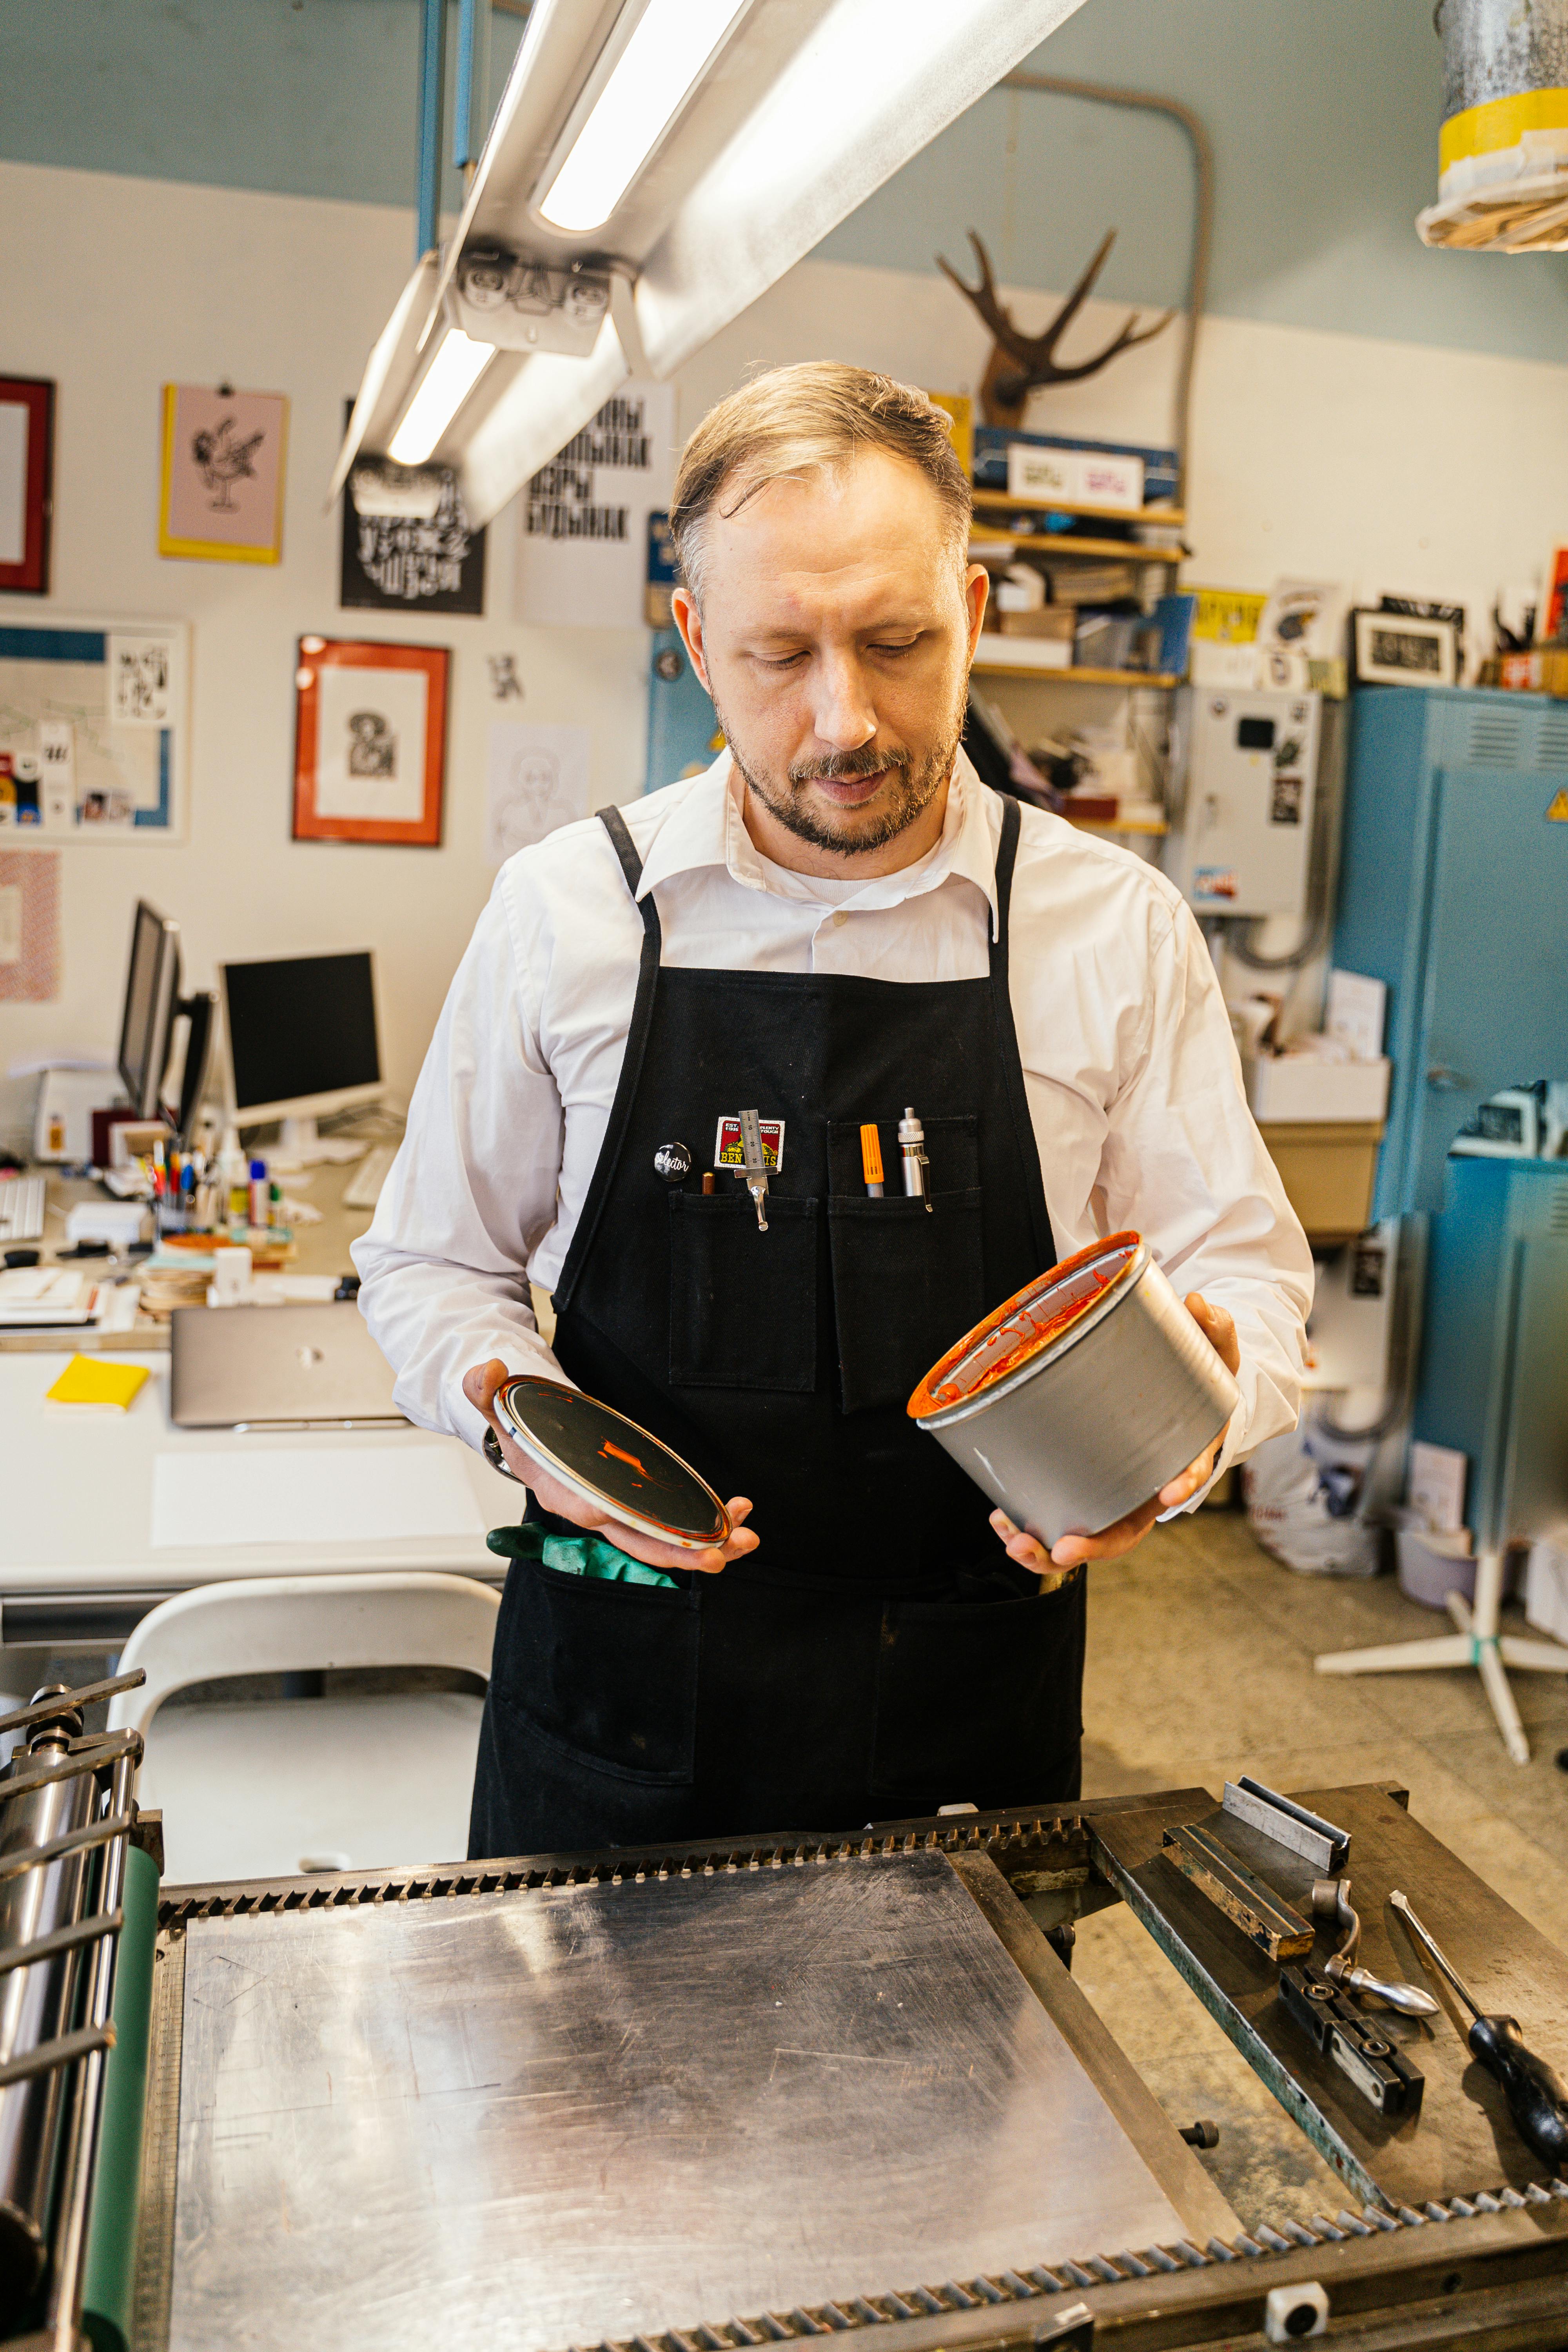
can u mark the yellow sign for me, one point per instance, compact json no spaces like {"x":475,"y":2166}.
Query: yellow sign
{"x":1228,"y":616}
{"x":1558,"y":813}
{"x":960,"y":409}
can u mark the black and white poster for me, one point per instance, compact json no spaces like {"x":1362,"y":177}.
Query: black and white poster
{"x":412,"y":563}
{"x":582,"y":558}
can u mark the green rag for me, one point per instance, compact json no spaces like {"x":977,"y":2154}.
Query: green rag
{"x":582,"y":1555}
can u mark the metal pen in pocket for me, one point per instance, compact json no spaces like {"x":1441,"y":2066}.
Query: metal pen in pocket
{"x":912,"y":1144}
{"x":871,"y":1162}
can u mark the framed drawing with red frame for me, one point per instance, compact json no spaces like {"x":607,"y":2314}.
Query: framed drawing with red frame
{"x":370,"y":741}
{"x":26,"y":483}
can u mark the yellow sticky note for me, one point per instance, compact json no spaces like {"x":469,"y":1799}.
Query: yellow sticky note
{"x":97,"y":1380}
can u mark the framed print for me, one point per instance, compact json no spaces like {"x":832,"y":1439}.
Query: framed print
{"x":222,"y":496}
{"x":1401,"y":649}
{"x":94,"y":729}
{"x":27,"y":484}
{"x":370,"y":741}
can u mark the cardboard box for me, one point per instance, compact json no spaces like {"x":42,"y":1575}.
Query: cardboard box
{"x":1543,"y":672}
{"x":1054,"y":623}
{"x":1328,"y":1169}
{"x":1075,"y":478}
{"x":1300,"y":1087}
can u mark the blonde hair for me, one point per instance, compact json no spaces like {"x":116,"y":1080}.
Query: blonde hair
{"x":812,"y":417}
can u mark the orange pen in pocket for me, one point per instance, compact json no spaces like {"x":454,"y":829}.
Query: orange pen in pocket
{"x":871,"y":1162}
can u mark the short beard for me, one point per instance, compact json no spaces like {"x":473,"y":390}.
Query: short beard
{"x":910,"y":792}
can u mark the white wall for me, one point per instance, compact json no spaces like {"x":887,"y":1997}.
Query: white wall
{"x":1389,"y":466}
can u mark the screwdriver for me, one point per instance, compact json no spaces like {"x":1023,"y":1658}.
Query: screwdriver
{"x":1537,"y":2098}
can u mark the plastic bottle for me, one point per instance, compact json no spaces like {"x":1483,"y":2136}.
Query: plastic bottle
{"x":259,"y":1206}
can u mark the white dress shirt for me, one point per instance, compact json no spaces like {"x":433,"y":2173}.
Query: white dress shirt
{"x":1133,"y":1084}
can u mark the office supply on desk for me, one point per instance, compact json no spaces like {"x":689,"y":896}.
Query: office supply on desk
{"x":98,"y":1380}
{"x":260,"y":1367}
{"x":310,"y":1494}
{"x":303,"y":1042}
{"x":34,"y":1297}
{"x":22,"y":1204}
{"x":113,"y":1224}
{"x":363,"y":1190}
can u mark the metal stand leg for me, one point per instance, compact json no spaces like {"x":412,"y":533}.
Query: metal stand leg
{"x":1476,"y":1644}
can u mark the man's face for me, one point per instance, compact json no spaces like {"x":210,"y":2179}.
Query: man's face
{"x":836,"y":626}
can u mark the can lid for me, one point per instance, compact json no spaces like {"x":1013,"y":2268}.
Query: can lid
{"x":1035,"y":1318}
{"x":613,"y":1462}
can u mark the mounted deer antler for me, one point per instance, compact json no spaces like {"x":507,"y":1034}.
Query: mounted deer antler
{"x":1006,"y":387}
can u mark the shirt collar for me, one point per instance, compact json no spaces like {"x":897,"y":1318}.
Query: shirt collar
{"x":706,"y":828}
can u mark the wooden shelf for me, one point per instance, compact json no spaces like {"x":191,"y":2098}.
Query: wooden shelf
{"x":1071,"y":677}
{"x":1123,"y":550}
{"x":1104,"y":824}
{"x":998,"y":502}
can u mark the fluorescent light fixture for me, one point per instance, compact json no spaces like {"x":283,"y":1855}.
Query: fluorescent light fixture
{"x":666,"y":55}
{"x":448,"y":382}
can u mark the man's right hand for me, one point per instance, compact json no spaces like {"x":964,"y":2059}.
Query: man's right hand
{"x":479,"y":1386}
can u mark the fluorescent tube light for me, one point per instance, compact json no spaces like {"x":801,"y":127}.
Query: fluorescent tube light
{"x":448,"y":382}
{"x":665,"y":55}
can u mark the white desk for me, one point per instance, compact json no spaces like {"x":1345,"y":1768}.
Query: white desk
{"x":76,"y":1559}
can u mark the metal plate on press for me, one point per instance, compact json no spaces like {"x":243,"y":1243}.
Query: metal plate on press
{"x":553,"y":2116}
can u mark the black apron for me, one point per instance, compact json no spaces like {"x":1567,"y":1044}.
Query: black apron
{"x":879,"y":1655}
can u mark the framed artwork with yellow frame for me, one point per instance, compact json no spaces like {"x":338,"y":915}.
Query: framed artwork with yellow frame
{"x":224,"y":460}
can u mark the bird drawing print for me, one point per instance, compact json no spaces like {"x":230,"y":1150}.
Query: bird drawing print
{"x":222,"y":460}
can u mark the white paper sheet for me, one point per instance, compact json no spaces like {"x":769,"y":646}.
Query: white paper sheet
{"x":537,"y":779}
{"x":262,"y":1494}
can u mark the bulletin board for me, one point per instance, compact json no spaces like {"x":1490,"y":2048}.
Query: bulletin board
{"x":94,"y":723}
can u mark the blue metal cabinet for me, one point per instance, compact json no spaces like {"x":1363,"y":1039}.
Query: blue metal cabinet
{"x":1494,"y":1349}
{"x":1454,"y":890}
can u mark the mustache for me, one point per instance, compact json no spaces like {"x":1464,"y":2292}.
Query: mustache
{"x":847,"y":765}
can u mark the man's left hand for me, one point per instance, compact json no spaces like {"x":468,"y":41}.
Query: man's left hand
{"x":1069,"y":1551}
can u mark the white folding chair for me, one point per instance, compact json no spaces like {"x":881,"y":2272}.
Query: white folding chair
{"x":268,"y":1788}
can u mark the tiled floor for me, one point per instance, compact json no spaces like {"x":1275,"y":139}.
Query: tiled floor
{"x":1200,"y":1665}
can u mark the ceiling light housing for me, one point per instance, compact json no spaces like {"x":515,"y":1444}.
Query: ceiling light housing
{"x":800,"y":110}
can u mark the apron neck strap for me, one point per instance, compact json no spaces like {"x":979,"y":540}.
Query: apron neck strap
{"x":626,"y":849}
{"x":1007,"y":858}
{"x":1007,"y":1038}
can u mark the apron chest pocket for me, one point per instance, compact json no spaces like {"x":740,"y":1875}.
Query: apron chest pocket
{"x":743,"y":1303}
{"x":907,"y":1282}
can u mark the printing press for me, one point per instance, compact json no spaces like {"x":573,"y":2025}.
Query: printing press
{"x":706,"y":2098}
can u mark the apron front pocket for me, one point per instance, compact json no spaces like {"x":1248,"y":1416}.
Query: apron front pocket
{"x":907,"y":1283}
{"x":608,"y":1671}
{"x":979,"y":1702}
{"x":743,"y":1303}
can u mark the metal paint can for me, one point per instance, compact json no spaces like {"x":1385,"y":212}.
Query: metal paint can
{"x":1082,"y":1395}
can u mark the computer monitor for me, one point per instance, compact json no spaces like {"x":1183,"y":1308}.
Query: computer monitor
{"x":147,"y":1022}
{"x":302,"y":1040}
{"x":153,"y":1004}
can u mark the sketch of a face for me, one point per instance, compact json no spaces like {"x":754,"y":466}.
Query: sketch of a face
{"x":374,"y":749}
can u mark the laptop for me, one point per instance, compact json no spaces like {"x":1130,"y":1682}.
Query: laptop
{"x":277,"y":1367}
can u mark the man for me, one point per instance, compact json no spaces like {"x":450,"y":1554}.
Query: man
{"x":835,"y":922}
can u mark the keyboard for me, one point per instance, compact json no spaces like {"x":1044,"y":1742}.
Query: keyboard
{"x":363,"y":1190}
{"x":22,"y":1208}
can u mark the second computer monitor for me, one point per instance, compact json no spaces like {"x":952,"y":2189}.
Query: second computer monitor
{"x":303,"y":1038}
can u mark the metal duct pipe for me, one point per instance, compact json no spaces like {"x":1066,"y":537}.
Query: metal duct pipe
{"x":37,"y":2003}
{"x":1503,"y":148}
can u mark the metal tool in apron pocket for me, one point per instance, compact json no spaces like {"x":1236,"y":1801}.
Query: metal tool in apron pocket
{"x":1082,"y":1395}
{"x":612,"y":1464}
